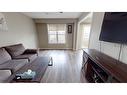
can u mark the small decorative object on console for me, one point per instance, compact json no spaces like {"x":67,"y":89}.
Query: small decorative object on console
{"x":51,"y":62}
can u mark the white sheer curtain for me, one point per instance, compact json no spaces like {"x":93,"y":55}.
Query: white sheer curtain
{"x":85,"y":35}
{"x":56,"y":33}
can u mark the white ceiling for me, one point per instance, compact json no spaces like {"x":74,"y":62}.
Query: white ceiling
{"x":48,"y":15}
{"x":88,"y":18}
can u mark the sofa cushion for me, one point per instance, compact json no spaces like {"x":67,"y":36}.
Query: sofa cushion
{"x":4,"y":75}
{"x":15,"y":50}
{"x":13,"y":65}
{"x":30,"y":57}
{"x":4,"y":56}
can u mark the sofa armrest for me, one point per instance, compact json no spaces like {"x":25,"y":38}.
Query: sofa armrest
{"x":6,"y":69}
{"x":4,"y":75}
{"x":31,"y":51}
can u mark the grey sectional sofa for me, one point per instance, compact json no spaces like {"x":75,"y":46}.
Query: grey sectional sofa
{"x":13,"y":58}
{"x":19,"y":52}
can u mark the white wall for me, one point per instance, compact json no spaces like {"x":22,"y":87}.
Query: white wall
{"x":21,"y":29}
{"x":95,"y":30}
{"x":111,"y":49}
{"x":41,"y":25}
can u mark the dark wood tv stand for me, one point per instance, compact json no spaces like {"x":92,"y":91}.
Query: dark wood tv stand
{"x":101,"y":68}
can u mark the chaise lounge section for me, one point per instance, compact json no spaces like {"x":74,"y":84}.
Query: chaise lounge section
{"x":9,"y":66}
{"x":14,"y":57}
{"x":7,"y":63}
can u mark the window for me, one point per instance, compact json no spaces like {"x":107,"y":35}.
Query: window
{"x":86,"y":34}
{"x":86,"y":31}
{"x":56,"y":33}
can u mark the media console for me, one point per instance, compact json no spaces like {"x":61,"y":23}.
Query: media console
{"x":101,"y":68}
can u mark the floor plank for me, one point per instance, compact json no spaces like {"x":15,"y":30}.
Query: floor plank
{"x":66,"y":67}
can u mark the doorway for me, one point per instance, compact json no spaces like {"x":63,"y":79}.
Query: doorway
{"x":84,"y":29}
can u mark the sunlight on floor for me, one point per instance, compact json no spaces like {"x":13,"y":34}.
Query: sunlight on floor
{"x":66,"y":66}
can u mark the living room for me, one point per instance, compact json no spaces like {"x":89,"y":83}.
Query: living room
{"x":63,"y":47}
{"x":33,"y":34}
{"x":47,"y":34}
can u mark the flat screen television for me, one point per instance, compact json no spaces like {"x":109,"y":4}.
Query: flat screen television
{"x":114,"y":27}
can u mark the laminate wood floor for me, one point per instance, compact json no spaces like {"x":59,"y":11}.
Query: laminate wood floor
{"x":66,"y":67}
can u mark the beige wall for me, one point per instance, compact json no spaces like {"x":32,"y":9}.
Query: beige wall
{"x":21,"y":29}
{"x":43,"y":34}
{"x":111,"y":49}
{"x":55,"y":20}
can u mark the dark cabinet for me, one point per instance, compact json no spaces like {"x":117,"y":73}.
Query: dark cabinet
{"x":98,"y":67}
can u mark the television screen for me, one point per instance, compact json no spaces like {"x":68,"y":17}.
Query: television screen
{"x":114,"y":27}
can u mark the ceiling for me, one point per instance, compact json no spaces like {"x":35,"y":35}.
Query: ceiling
{"x":48,"y":15}
{"x":88,"y":19}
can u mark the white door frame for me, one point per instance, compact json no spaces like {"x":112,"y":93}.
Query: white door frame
{"x":78,"y":26}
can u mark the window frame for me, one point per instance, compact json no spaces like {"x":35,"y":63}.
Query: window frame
{"x":57,"y":34}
